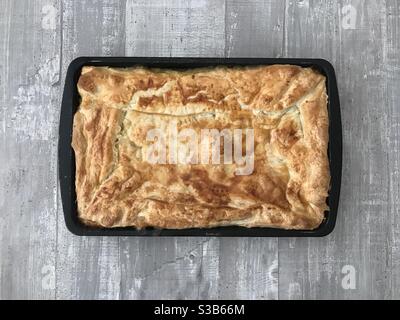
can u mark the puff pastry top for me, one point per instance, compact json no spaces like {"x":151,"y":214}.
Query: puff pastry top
{"x":285,"y":105}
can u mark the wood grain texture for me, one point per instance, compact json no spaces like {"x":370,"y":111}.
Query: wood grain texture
{"x":30,"y":54}
{"x":175,"y":28}
{"x":89,"y":268}
{"x":312,"y":268}
{"x":41,"y":259}
{"x":254,"y":28}
{"x":249,"y":266}
{"x":172,"y":268}
{"x":391,"y":72}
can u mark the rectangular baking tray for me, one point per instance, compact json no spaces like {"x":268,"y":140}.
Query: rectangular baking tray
{"x":66,"y":158}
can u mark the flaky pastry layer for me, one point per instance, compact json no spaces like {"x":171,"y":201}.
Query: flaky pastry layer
{"x":285,"y":105}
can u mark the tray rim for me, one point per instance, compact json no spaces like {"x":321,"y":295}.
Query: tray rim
{"x":66,"y":157}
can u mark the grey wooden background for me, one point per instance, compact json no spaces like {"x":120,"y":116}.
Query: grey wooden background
{"x":40,"y":259}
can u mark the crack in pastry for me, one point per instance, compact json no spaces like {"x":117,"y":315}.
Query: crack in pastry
{"x":285,"y":106}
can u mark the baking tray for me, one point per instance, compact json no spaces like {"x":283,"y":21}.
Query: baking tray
{"x":66,"y":158}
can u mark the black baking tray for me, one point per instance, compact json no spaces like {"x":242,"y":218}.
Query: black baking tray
{"x":66,"y":158}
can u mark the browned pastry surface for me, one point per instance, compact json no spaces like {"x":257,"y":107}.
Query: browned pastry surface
{"x":285,"y":105}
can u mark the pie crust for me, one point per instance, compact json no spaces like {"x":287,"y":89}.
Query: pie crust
{"x":285,"y":105}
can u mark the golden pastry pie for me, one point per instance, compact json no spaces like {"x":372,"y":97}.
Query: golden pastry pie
{"x":201,"y":148}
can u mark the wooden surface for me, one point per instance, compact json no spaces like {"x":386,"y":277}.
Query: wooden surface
{"x":40,"y":259}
